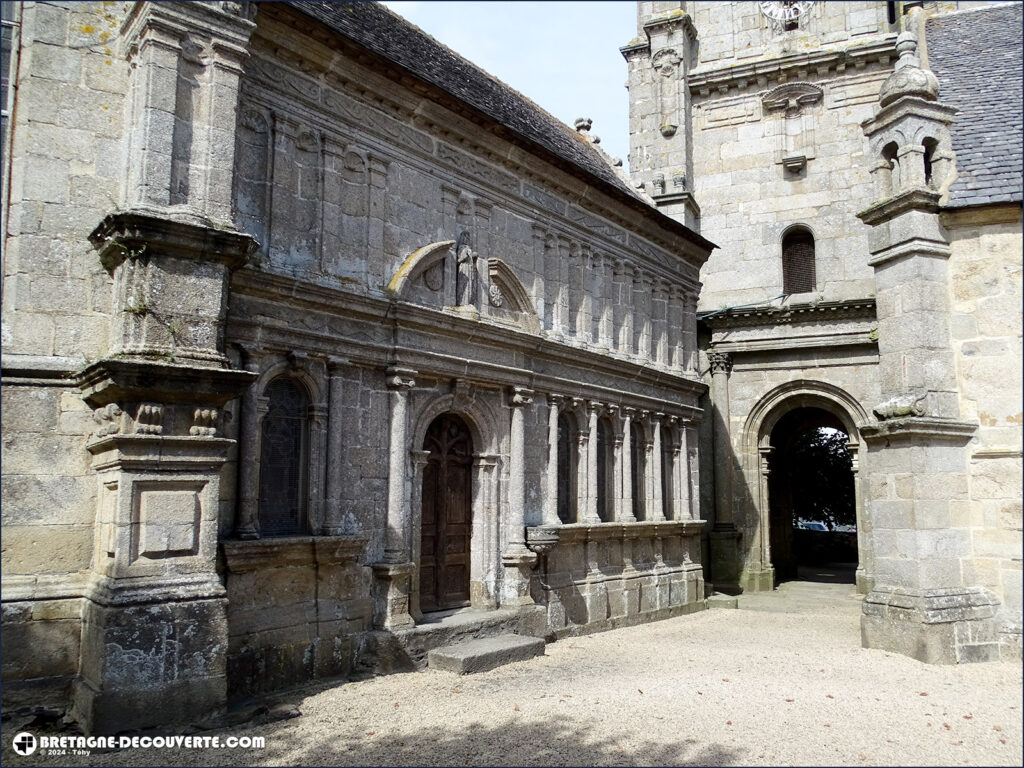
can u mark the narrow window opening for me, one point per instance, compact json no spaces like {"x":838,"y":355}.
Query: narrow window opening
{"x":798,"y":274}
{"x":638,"y":471}
{"x":604,"y":470}
{"x":566,"y":470}
{"x":930,"y":146}
{"x":283,"y":458}
{"x":891,"y":8}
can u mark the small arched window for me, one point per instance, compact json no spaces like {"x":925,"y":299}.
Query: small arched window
{"x":567,"y":438}
{"x":798,"y":261}
{"x":930,"y":145}
{"x":283,"y":453}
{"x":638,"y":468}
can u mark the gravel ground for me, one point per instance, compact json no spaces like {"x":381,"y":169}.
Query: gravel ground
{"x":782,"y":681}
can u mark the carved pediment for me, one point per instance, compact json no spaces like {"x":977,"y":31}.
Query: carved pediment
{"x":508,"y":298}
{"x":425,"y":272}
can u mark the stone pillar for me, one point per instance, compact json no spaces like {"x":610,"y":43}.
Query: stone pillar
{"x":486,"y":594}
{"x":335,"y":448}
{"x":400,"y":382}
{"x":551,"y":479}
{"x":924,"y":601}
{"x":560,"y":322}
{"x":590,"y":287}
{"x":317,"y":421}
{"x":419,"y":463}
{"x":393,"y":574}
{"x":657,"y":470}
{"x":659,"y":323}
{"x":516,"y":558}
{"x":582,"y":453}
{"x":186,"y":61}
{"x":642,"y":316}
{"x":590,"y":515}
{"x":626,"y":504}
{"x":724,"y":537}
{"x":624,"y":305}
{"x":378,"y":190}
{"x":540,"y":286}
{"x":154,"y":617}
{"x":679,"y":479}
{"x":607,"y":301}
{"x":688,"y":360}
{"x":254,"y":408}
{"x":675,"y":359}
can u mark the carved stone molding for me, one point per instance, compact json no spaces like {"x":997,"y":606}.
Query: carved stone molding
{"x":720,"y":362}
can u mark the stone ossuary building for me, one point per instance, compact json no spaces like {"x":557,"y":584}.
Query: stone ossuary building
{"x":315,"y":335}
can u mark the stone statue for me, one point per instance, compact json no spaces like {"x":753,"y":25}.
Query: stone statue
{"x":465,"y":277}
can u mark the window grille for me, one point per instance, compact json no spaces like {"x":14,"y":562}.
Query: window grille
{"x":283,"y":458}
{"x":798,"y":262}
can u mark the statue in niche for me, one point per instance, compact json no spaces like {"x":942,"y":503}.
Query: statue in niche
{"x":465,"y":276}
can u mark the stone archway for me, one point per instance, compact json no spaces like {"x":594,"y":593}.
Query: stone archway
{"x":757,"y":451}
{"x":810,"y":492}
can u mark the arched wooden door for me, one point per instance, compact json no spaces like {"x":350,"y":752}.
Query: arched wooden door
{"x":447,"y":515}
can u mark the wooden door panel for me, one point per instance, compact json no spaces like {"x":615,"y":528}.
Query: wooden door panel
{"x":447,"y":516}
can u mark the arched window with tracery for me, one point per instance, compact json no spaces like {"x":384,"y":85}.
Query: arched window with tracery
{"x":284,"y":451}
{"x":567,"y":454}
{"x":798,"y":273}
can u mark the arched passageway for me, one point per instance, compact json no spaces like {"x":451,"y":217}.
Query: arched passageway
{"x":811,"y":496}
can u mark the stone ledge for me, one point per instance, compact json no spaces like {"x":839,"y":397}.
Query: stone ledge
{"x":926,"y":427}
{"x":246,"y":555}
{"x":484,"y":654}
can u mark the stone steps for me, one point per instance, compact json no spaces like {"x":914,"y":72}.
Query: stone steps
{"x":485,"y":653}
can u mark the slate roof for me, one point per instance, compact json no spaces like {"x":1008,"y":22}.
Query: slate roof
{"x":977,"y":56}
{"x":376,"y":29}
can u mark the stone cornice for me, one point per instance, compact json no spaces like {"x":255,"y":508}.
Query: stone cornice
{"x":134,"y":233}
{"x":921,"y":428}
{"x":809,"y":312}
{"x":113,"y":380}
{"x":917,"y":199}
{"x":519,"y":366}
{"x":799,"y":65}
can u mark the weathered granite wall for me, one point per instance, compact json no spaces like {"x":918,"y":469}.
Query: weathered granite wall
{"x":985,"y":324}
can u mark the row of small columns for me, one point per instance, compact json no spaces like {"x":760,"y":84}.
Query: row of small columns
{"x":637,"y":314}
{"x":586,"y":475}
{"x":401,"y":381}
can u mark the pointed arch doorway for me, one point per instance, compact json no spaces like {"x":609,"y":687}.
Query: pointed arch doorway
{"x":447,"y":522}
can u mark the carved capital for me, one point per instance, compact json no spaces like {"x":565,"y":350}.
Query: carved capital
{"x":401,"y":378}
{"x":521,"y":396}
{"x":720,"y":362}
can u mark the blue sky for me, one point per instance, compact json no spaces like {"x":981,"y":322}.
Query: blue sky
{"x":562,"y":55}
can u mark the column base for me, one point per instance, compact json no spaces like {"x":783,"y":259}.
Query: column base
{"x":392,"y":586}
{"x":759,"y":580}
{"x":518,"y":562}
{"x":151,"y":664}
{"x":936,"y":626}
